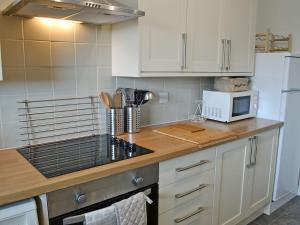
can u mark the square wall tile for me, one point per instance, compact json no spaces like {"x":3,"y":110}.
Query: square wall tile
{"x":10,"y":27}
{"x":12,"y":139}
{"x":86,"y":81}
{"x":124,"y":82}
{"x":9,"y":106}
{"x":13,"y":81}
{"x":39,"y":80}
{"x":85,"y":33}
{"x":104,"y":34}
{"x":105,"y":79}
{"x":64,"y":80}
{"x":62,"y":31}
{"x":105,"y":56}
{"x":37,"y":54}
{"x":86,"y":55}
{"x":63,"y":54}
{"x":36,"y":29}
{"x":12,"y":53}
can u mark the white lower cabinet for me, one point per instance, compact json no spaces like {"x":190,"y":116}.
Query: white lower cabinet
{"x":186,"y":189}
{"x":231,"y":182}
{"x":244,"y":177}
{"x":219,"y":186}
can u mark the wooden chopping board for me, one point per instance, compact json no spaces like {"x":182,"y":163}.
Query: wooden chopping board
{"x":194,"y":133}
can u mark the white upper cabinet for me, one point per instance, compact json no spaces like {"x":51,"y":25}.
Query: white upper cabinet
{"x":186,"y":38}
{"x":240,"y":20}
{"x":161,"y":35}
{"x":204,"y":34}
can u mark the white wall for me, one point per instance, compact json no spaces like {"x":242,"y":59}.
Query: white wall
{"x":282,"y":17}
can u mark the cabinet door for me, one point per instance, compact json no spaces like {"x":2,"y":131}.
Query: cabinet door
{"x":240,"y":17}
{"x":261,"y":174}
{"x":162,"y":35}
{"x":231,"y":182}
{"x":205,"y":29}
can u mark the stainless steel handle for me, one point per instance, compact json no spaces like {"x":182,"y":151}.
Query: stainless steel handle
{"x":202,"y":162}
{"x":184,"y":47}
{"x":291,"y":90}
{"x":255,"y":138}
{"x":253,"y":153}
{"x":200,"y":187}
{"x":199,"y":210}
{"x":228,"y":55}
{"x":74,"y":220}
{"x":223,"y":54}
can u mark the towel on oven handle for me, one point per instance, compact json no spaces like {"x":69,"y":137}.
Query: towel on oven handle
{"x":132,"y":211}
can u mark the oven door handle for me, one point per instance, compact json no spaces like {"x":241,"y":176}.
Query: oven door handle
{"x":74,"y":219}
{"x":81,"y":218}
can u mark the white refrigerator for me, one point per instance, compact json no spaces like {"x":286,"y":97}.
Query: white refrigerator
{"x":277,"y":78}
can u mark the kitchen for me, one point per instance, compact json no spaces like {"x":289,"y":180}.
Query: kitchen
{"x":176,"y":55}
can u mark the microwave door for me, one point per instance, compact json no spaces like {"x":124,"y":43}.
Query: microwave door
{"x":241,"y":106}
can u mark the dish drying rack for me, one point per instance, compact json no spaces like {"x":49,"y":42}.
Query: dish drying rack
{"x":49,"y":120}
{"x":268,"y":42}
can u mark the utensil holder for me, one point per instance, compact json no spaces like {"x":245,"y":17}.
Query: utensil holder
{"x":133,"y":119}
{"x":115,"y":121}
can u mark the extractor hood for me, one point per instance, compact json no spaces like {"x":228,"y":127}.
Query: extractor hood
{"x":94,"y":11}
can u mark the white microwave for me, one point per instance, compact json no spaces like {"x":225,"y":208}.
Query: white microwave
{"x":229,"y":106}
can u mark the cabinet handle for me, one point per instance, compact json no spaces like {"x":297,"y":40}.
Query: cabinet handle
{"x":253,"y":153}
{"x":200,"y":187}
{"x":256,"y":148}
{"x":229,"y":55}
{"x":181,"y":219}
{"x":223,"y":54}
{"x":184,"y":47}
{"x":202,"y":162}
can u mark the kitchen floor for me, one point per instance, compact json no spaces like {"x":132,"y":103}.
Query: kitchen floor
{"x":289,"y":214}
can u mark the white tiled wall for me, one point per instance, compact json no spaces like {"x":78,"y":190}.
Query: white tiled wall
{"x":43,"y":59}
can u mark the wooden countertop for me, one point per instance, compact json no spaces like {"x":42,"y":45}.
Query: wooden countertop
{"x":20,"y":180}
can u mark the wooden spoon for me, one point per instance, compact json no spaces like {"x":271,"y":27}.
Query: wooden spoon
{"x":117,"y":100}
{"x":105,"y":99}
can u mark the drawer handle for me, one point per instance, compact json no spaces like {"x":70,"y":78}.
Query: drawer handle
{"x":202,"y":162}
{"x":200,"y":187}
{"x":199,"y":210}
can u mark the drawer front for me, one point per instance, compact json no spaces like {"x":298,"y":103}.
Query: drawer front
{"x":193,"y":213}
{"x":179,"y":168}
{"x":199,"y":186}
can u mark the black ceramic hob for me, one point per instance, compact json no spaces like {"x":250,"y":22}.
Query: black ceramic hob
{"x":58,"y":158}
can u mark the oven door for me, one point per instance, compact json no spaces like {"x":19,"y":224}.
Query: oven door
{"x":77,"y":217}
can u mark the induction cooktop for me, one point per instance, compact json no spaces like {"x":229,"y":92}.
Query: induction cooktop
{"x":63,"y":157}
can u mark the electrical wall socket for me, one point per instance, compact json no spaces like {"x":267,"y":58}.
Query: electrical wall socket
{"x":163,"y":97}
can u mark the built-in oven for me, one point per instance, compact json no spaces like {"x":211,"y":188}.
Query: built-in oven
{"x":68,"y":206}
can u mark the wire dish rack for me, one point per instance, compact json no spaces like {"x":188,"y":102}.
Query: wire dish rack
{"x":48,"y":120}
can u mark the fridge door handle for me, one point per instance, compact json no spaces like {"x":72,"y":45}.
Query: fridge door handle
{"x":291,"y":90}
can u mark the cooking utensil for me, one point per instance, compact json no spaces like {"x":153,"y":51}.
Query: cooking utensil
{"x":148,"y":96}
{"x":117,"y":100}
{"x":105,"y":99}
{"x":142,"y":97}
